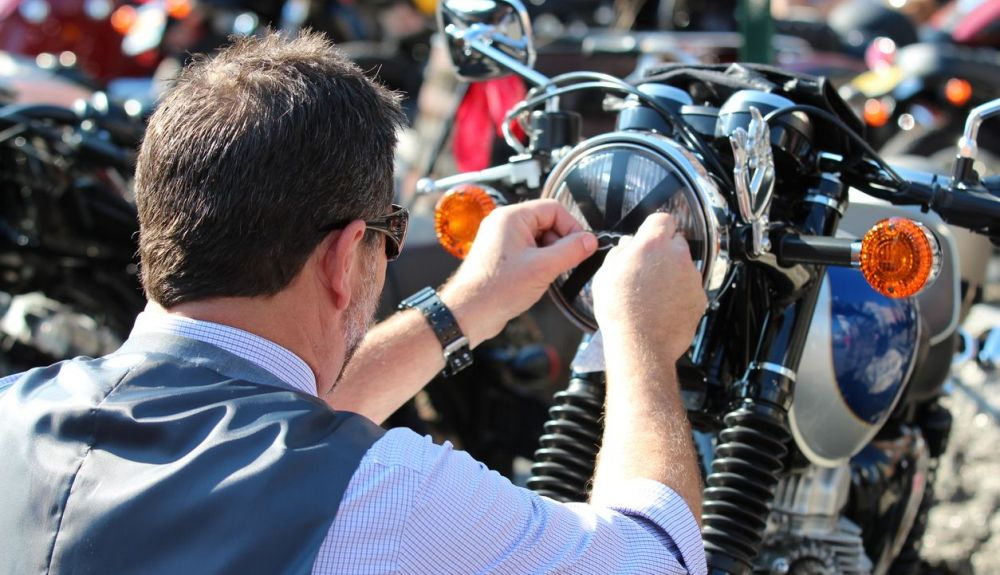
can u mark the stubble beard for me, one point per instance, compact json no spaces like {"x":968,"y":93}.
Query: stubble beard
{"x":359,"y":315}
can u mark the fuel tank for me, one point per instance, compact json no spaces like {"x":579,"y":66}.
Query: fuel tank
{"x":860,"y":352}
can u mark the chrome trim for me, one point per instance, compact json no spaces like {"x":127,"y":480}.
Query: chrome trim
{"x":713,"y":204}
{"x":827,"y":201}
{"x":856,"y":254}
{"x":481,"y":46}
{"x":474,"y":30}
{"x":936,"y":254}
{"x":773,"y":368}
{"x":527,"y":172}
{"x":753,"y":176}
{"x":455,"y":346}
{"x":968,"y":146}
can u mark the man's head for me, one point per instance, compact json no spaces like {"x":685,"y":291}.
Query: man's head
{"x":248,"y":157}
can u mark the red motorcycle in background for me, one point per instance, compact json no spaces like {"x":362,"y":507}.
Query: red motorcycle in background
{"x":86,"y":34}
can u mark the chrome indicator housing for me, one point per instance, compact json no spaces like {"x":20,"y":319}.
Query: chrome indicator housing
{"x":611,"y":182}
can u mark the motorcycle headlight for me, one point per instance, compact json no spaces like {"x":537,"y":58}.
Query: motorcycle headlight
{"x":612,"y":182}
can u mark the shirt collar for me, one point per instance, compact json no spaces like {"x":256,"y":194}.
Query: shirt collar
{"x":280,"y":362}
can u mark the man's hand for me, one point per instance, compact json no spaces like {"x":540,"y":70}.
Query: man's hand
{"x":649,"y":286}
{"x":648,"y":299}
{"x":518,"y":252}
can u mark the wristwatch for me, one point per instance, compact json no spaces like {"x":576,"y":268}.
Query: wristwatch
{"x":454,"y":344}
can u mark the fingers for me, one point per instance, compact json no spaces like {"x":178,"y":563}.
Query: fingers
{"x":545,"y":215}
{"x":681,"y":247}
{"x":656,"y":240}
{"x":565,"y":253}
{"x":548,"y":238}
{"x":658,"y":225}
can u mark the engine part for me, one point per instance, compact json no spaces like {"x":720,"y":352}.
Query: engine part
{"x":897,"y":463}
{"x":806,"y":531}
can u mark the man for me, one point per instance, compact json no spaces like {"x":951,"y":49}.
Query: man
{"x":263,"y":189}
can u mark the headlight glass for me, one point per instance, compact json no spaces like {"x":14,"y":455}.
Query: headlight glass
{"x":613,"y":188}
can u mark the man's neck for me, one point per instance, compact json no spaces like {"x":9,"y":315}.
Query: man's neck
{"x":272,"y":318}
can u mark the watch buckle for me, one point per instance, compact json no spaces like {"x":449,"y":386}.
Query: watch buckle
{"x":455,"y":346}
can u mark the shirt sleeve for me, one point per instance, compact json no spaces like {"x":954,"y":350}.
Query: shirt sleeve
{"x":451,"y":514}
{"x":8,"y":381}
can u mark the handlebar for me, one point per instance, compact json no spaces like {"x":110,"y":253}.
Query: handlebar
{"x":88,"y":145}
{"x":973,"y":204}
{"x":975,"y":208}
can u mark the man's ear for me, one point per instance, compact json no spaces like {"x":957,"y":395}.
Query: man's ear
{"x":338,"y":260}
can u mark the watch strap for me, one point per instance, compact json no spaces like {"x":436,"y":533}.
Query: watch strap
{"x":454,"y":344}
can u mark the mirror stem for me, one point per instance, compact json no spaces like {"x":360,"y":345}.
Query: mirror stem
{"x":968,"y":147}
{"x":500,"y":57}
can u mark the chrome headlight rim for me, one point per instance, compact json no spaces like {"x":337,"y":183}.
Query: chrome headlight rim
{"x":710,"y":204}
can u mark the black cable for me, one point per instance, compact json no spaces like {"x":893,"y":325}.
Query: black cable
{"x":603,"y":82}
{"x":693,"y":139}
{"x":851,"y":134}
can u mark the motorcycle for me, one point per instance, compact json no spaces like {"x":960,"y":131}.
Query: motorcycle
{"x":914,"y":97}
{"x":68,"y":277}
{"x":813,"y":387}
{"x":86,"y":36}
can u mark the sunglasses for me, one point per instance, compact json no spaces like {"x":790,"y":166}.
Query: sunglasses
{"x":393,"y":225}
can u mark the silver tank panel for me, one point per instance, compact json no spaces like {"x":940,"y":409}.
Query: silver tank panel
{"x":858,"y":356}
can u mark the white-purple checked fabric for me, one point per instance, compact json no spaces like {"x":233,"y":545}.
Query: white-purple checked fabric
{"x":414,"y":506}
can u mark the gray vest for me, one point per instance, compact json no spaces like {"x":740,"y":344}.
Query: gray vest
{"x":169,"y":456}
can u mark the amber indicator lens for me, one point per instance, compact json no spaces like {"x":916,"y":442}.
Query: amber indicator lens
{"x":179,"y":9}
{"x":123,"y":18}
{"x":876,"y":112}
{"x":958,"y":91}
{"x":899,"y":257}
{"x":458,"y":215}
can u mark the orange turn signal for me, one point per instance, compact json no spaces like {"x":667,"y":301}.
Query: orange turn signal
{"x":179,"y":9}
{"x":457,"y":217}
{"x":899,"y":257}
{"x":124,"y":18}
{"x":876,"y":113}
{"x":958,"y":91}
